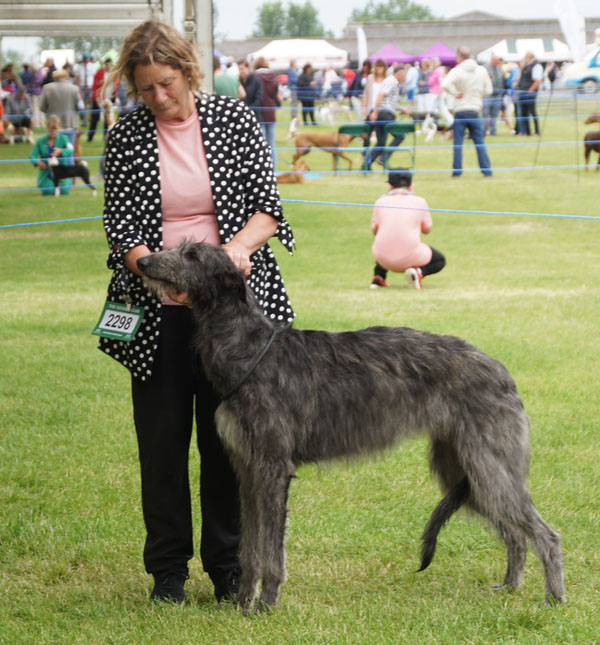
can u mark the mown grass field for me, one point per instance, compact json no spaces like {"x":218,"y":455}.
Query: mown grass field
{"x":522,"y":288}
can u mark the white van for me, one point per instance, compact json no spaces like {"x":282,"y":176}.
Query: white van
{"x":584,"y":76}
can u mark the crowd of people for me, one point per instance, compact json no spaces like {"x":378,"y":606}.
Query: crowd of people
{"x":73,"y":92}
{"x":374,"y":94}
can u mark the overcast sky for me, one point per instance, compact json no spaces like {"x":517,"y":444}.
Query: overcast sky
{"x":237,"y":19}
{"x":334,"y":14}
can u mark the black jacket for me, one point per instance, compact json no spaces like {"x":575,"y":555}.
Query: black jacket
{"x":254,"y":94}
{"x":243,"y":183}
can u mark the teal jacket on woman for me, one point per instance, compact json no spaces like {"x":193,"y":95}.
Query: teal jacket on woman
{"x":41,"y":152}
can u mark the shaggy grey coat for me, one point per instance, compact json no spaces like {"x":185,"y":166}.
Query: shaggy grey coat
{"x":292,"y":396}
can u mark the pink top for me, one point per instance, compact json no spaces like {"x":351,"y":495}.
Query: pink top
{"x":188,"y":210}
{"x":435,"y":80}
{"x":397,"y":244}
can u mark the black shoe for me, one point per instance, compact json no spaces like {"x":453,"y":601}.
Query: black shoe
{"x":227,"y":584}
{"x":168,"y":587}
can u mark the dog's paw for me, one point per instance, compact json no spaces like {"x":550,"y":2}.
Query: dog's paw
{"x":551,"y":601}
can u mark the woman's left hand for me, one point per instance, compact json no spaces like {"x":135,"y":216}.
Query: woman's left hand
{"x":239,"y":255}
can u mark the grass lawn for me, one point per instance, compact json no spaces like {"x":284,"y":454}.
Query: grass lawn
{"x":522,"y":288}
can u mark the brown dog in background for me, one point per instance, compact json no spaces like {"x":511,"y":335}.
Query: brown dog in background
{"x":296,"y":175}
{"x":591,"y":143}
{"x":593,"y":118}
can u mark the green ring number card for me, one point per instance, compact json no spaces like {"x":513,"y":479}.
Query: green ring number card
{"x":119,"y":321}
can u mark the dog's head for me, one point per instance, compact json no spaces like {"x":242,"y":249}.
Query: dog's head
{"x":195,"y":273}
{"x":301,"y":166}
{"x":593,"y":118}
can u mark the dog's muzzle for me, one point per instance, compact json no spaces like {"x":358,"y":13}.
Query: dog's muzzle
{"x":142,"y":263}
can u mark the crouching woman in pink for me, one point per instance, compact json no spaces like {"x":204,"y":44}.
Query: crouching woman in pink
{"x":399,"y":218}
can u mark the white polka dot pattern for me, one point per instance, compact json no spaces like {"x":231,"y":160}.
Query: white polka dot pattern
{"x":243,"y":183}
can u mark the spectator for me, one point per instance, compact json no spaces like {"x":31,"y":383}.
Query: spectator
{"x":551,"y":73}
{"x":332,"y":84}
{"x":10,"y":80}
{"x":84,"y":78}
{"x":307,"y":93}
{"x":3,"y":139}
{"x":252,"y":87}
{"x":384,"y":111}
{"x":18,"y":113}
{"x":492,"y":105}
{"x":371,"y":92}
{"x":512,"y":81}
{"x":53,"y":144}
{"x":49,"y":71}
{"x":61,"y":97}
{"x":532,"y":74}
{"x":224,"y":84}
{"x":35,"y":90}
{"x":270,"y":102}
{"x":468,"y":83}
{"x":348,"y":75}
{"x":231,"y":68}
{"x":437,"y":102}
{"x":292,"y":75}
{"x":357,"y":88}
{"x":410,"y":84}
{"x":423,"y":96}
{"x":373,"y":85}
{"x":100,"y":92}
{"x":399,"y":218}
{"x":26,"y":75}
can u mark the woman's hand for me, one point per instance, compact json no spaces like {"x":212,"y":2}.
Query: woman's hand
{"x":259,"y":228}
{"x":132,"y":256}
{"x":239,"y":255}
{"x":42,"y":164}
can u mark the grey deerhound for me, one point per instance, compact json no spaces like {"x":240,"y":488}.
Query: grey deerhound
{"x":291,"y":396}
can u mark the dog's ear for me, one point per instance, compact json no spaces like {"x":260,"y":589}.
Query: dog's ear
{"x":231,"y":281}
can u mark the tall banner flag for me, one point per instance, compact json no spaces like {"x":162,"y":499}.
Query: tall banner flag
{"x":572,"y":24}
{"x":362,"y":46}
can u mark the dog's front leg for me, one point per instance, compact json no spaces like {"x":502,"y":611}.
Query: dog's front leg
{"x":273,"y":501}
{"x":251,"y":555}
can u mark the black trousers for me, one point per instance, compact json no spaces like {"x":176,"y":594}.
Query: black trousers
{"x":163,"y":411}
{"x":94,"y":119}
{"x":308,"y":110}
{"x":436,"y":264}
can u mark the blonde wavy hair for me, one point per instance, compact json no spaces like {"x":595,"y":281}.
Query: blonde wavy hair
{"x":155,"y":42}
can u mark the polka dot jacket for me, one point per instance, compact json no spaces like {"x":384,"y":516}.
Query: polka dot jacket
{"x":243,"y":183}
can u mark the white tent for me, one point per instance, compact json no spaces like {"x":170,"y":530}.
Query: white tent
{"x":319,"y":53}
{"x":512,"y":50}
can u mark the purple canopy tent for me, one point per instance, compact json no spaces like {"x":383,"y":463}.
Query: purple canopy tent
{"x":391,"y":54}
{"x":446,"y":55}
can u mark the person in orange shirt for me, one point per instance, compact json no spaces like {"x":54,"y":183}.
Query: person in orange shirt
{"x":399,"y":218}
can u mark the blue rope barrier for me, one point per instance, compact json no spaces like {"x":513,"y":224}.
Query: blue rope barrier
{"x":353,"y":205}
{"x":382,"y":171}
{"x":447,"y":210}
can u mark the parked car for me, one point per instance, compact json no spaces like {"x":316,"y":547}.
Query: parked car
{"x":584,"y":76}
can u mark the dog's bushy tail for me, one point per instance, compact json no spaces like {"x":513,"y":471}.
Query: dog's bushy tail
{"x":442,"y":513}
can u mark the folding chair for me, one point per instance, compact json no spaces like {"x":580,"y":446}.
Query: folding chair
{"x":405,"y":128}
{"x":354,"y":130}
